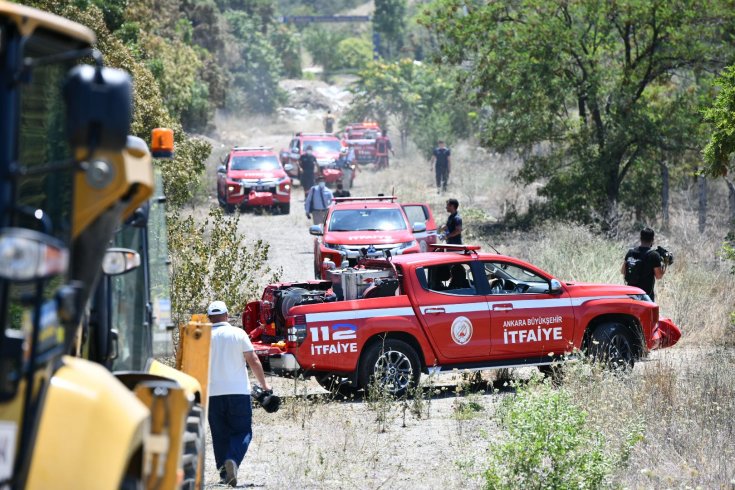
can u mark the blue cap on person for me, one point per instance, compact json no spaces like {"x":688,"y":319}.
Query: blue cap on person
{"x":216,"y":308}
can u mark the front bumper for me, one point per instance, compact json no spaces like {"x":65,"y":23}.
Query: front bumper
{"x":665,"y":334}
{"x":258,"y":199}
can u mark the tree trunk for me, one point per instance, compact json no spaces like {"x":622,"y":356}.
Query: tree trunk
{"x":731,"y":203}
{"x":664,"y":196}
{"x":702,"y":191}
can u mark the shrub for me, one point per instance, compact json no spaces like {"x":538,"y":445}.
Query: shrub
{"x":549,"y":444}
{"x":354,"y":52}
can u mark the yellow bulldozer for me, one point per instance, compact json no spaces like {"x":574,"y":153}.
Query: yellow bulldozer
{"x":70,"y":175}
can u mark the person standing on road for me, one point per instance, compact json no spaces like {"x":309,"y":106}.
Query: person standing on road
{"x":382,"y":147}
{"x":441,"y":162}
{"x":230,"y":409}
{"x":317,"y":202}
{"x":452,"y":231}
{"x":345,"y":165}
{"x":642,"y":265}
{"x":308,"y":163}
{"x":341,"y":192}
{"x":329,"y":122}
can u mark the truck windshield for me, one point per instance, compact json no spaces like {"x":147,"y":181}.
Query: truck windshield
{"x":325,"y":146}
{"x":254,"y":163}
{"x":367,"y":220}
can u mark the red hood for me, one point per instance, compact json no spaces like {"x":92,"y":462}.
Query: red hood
{"x":355,"y":238}
{"x":321,"y":155}
{"x":256,"y":174}
{"x":578,"y":289}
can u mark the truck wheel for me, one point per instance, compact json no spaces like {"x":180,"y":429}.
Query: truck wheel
{"x":391,"y":363}
{"x":229,"y":208}
{"x":284,"y":208}
{"x":611,"y":344}
{"x":337,"y":385}
{"x":192,"y":460}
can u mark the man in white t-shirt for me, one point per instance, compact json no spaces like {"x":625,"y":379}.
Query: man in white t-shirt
{"x":230,"y":409}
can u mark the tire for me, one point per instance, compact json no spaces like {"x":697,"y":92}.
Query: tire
{"x":284,"y":208}
{"x":192,"y":460}
{"x":393,"y":364}
{"x":337,"y":385}
{"x":611,"y":344}
{"x":229,"y":208}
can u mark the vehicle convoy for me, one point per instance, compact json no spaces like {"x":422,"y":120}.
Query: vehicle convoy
{"x":69,"y":175}
{"x":373,"y":223}
{"x":389,"y":320}
{"x":324,"y":146}
{"x":363,"y":138}
{"x":253,"y":177}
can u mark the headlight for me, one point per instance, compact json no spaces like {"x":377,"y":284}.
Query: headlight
{"x":406,"y":245}
{"x":335,"y":247}
{"x":27,"y":255}
{"x":640,"y":297}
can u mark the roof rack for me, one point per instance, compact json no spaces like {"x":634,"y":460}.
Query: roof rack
{"x":301,"y":133}
{"x":366,"y":198}
{"x":449,"y":247}
{"x":252,"y":148}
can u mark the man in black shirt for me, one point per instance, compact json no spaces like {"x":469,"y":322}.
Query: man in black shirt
{"x":642,"y":265}
{"x":441,"y":163}
{"x":452,"y":231}
{"x":307,"y":162}
{"x":341,"y":192}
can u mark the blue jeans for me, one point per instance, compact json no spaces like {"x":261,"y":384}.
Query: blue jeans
{"x":230,"y":420}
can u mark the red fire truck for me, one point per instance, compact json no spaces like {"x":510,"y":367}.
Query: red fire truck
{"x":362,"y":137}
{"x":389,"y":320}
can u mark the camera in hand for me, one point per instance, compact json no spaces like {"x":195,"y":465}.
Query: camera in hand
{"x":270,"y":402}
{"x":666,"y":257}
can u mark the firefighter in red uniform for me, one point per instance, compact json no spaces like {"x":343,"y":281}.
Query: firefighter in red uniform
{"x":382,"y":147}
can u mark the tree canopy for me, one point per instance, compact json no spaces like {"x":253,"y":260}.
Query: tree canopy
{"x":589,"y":92}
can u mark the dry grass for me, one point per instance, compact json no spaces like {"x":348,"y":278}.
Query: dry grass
{"x":683,"y":398}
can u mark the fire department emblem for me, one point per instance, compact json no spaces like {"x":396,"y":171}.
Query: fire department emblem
{"x":461,"y":330}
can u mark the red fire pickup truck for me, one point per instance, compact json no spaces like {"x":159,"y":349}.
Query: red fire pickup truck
{"x":388,"y":320}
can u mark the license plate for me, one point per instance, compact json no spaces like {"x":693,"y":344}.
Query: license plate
{"x":8,"y":434}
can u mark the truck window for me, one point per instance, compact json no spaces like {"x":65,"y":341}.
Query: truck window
{"x":416,"y":214}
{"x":448,"y":279}
{"x":507,"y":278}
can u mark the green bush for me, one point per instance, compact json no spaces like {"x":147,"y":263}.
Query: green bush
{"x":549,"y":444}
{"x":354,"y":52}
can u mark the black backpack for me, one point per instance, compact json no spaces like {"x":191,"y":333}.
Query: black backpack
{"x":634,"y":266}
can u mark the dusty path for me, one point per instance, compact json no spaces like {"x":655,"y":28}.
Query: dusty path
{"x":317,"y":443}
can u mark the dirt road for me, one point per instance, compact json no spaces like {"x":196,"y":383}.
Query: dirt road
{"x":313,"y":442}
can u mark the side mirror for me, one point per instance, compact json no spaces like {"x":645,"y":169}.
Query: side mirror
{"x":316,"y":230}
{"x":221,"y":169}
{"x":99,"y":105}
{"x":119,"y":261}
{"x":419,"y":227}
{"x":555,"y":287}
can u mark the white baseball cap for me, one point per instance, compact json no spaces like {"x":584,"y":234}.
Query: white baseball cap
{"x":216,"y":308}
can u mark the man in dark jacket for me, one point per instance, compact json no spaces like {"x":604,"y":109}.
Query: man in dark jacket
{"x":441,"y":162}
{"x":643,"y":265}
{"x":308,"y":163}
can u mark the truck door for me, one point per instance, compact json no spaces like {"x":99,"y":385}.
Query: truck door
{"x":420,"y":213}
{"x":222,"y":178}
{"x":527,"y":321}
{"x":454,"y":311}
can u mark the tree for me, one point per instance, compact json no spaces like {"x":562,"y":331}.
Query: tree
{"x":414,"y":93}
{"x":574,"y":87}
{"x":390,"y":23}
{"x":721,"y":147}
